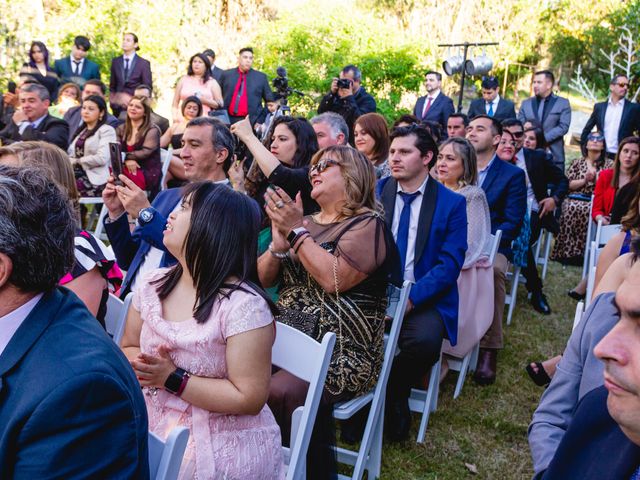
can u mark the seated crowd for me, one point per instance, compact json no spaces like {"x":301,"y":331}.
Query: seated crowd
{"x":275,"y":218}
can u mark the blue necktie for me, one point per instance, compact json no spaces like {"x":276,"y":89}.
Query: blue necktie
{"x":636,"y":475}
{"x":490,"y":112}
{"x":402,"y":239}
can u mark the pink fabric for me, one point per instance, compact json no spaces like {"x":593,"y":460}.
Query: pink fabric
{"x":193,"y":86}
{"x":475,"y":308}
{"x":220,"y":446}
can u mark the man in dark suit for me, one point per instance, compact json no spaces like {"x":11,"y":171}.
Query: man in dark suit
{"x":71,"y":404}
{"x":216,"y":72}
{"x":73,"y":117}
{"x":435,"y":106}
{"x":33,"y":122}
{"x":429,"y":224}
{"x":145,"y":91}
{"x":77,"y":68}
{"x":244,"y":88}
{"x":550,"y":111}
{"x":542,"y":175}
{"x":617,"y":118}
{"x":491,"y":103}
{"x":603,"y":438}
{"x":506,"y":191}
{"x":127,"y":72}
{"x":142,"y":250}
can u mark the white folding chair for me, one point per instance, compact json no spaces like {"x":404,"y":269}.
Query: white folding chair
{"x":116,"y":316}
{"x":93,"y":216}
{"x":165,"y":157}
{"x":369,"y":456}
{"x":165,"y":457}
{"x":604,"y":233}
{"x":468,"y":362}
{"x":543,"y":245}
{"x":308,"y":360}
{"x":514,"y":276}
{"x":591,"y":279}
{"x":578,"y":316}
{"x":587,"y":245}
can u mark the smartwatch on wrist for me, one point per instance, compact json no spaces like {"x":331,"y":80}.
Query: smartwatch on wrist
{"x":295,"y":234}
{"x":145,"y":216}
{"x":177,"y":381}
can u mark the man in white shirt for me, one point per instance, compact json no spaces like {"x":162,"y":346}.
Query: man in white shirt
{"x":491,"y":103}
{"x":435,"y":106}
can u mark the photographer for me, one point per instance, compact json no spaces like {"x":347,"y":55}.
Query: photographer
{"x":347,"y":97}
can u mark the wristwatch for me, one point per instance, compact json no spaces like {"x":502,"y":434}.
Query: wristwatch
{"x":145,"y":216}
{"x":176,"y":381}
{"x":295,"y":234}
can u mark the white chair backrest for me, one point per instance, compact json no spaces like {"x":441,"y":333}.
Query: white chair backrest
{"x":116,"y":316}
{"x":308,"y":360}
{"x":604,"y":233}
{"x":495,"y":244}
{"x":590,"y":236}
{"x":165,"y":157}
{"x":165,"y":457}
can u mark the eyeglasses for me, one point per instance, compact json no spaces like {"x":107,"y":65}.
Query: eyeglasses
{"x":622,"y":85}
{"x":595,"y":138}
{"x":322,"y":165}
{"x":518,"y":134}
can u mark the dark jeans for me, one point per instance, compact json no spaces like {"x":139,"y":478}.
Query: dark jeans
{"x":420,"y":342}
{"x":530,"y":272}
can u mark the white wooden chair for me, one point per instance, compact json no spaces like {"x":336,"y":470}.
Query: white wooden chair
{"x":591,"y":278}
{"x":578,"y":316}
{"x":469,"y":361}
{"x":590,"y":237}
{"x":604,"y":233}
{"x":369,"y":456}
{"x":165,"y":157}
{"x":543,"y":245}
{"x":308,"y":360}
{"x":514,"y":276}
{"x":165,"y":457}
{"x":116,"y":316}
{"x":94,"y":216}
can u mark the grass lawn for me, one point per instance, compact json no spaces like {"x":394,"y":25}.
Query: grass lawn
{"x":486,"y":427}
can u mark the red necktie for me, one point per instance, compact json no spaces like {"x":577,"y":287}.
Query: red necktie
{"x":239,"y":106}
{"x":427,"y":107}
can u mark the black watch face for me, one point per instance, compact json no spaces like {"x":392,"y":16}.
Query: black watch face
{"x":173,"y":382}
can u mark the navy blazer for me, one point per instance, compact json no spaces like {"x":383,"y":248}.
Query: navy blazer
{"x":629,"y":123}
{"x":70,"y":404}
{"x":64,"y":70}
{"x":131,"y":248}
{"x":140,"y":74}
{"x":440,"y":247}
{"x":594,"y":447}
{"x":506,"y":190}
{"x":51,"y":130}
{"x":506,"y":109}
{"x":439,"y":111}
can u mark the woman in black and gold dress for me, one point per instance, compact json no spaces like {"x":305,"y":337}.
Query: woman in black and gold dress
{"x":334,"y":268}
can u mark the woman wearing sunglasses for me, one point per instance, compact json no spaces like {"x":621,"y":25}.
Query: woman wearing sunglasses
{"x":334,"y":268}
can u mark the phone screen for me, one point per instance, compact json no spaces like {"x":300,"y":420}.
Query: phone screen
{"x":116,"y":161}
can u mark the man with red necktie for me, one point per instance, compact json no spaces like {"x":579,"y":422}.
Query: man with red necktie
{"x":435,"y":106}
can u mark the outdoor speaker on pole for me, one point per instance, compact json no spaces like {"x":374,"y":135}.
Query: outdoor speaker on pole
{"x":479,"y":65}
{"x":453,"y":65}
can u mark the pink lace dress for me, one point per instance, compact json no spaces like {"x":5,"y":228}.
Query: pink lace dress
{"x":220,"y":446}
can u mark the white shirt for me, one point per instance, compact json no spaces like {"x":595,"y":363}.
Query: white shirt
{"x":482,"y":174}
{"x":433,"y":95}
{"x":128,"y":57}
{"x":520,"y":163}
{"x":612,"y":118}
{"x":36,"y":123}
{"x":494,"y":103}
{"x":416,"y":205}
{"x":10,"y":323}
{"x":73,"y":64}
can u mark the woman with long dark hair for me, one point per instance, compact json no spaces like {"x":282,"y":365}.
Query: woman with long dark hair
{"x":89,"y":149}
{"x":199,"y":337}
{"x":140,"y":140}
{"x":39,"y":70}
{"x":198,"y":82}
{"x":371,"y":137}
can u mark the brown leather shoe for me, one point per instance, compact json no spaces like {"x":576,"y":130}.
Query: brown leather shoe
{"x":486,"y":370}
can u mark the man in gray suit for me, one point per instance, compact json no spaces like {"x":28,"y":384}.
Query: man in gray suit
{"x":550,"y":111}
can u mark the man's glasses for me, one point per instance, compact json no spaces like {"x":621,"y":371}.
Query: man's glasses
{"x":322,"y":165}
{"x":519,"y":134}
{"x":622,"y":85}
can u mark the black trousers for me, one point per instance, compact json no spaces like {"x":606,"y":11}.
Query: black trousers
{"x":530,"y":272}
{"x":420,"y":342}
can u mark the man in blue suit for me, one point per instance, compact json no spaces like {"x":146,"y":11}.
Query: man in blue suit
{"x":207,"y":153}
{"x":429,"y":224}
{"x":70,"y":404}
{"x":491,"y":103}
{"x":505,"y":187}
{"x":76,"y":67}
{"x":435,"y":106}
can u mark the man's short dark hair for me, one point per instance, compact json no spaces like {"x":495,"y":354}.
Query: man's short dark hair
{"x":548,"y":74}
{"x":357,"y":74}
{"x":512,"y":122}
{"x":465,"y":119}
{"x":490,"y":83}
{"x":37,"y":228}
{"x":97,"y":83}
{"x":406,"y":118}
{"x":245,"y":49}
{"x":209,"y":53}
{"x":144,"y":86}
{"x":615,"y":78}
{"x":82,"y":42}
{"x":424,"y":142}
{"x":221,"y":137}
{"x":43,"y":93}
{"x":433,"y":72}
{"x":135,"y":39}
{"x":496,"y":126}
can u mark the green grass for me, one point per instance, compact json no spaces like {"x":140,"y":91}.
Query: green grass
{"x":487,"y":426}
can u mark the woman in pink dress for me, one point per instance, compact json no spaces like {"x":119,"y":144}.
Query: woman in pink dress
{"x":199,"y":337}
{"x":198,"y":82}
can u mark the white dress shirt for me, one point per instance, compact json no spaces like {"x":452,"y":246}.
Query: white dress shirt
{"x":520,"y":163}
{"x":10,"y":323}
{"x":494,"y":103}
{"x":73,"y":65}
{"x":416,"y":205}
{"x":482,"y":174}
{"x":433,"y":95}
{"x":612,"y":119}
{"x":36,"y":123}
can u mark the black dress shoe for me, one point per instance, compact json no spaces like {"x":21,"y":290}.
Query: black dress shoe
{"x":539,"y":303}
{"x":576,"y":296}
{"x":485,"y":373}
{"x":397,"y":420}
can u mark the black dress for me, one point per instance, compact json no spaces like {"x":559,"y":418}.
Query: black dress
{"x":50,"y":81}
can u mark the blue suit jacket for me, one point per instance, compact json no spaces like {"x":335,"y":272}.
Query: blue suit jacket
{"x":439,"y":111}
{"x":131,"y":248}
{"x":505,"y":110}
{"x":70,"y":404}
{"x":594,"y":447}
{"x":441,"y":244}
{"x":90,"y":70}
{"x":506,"y":191}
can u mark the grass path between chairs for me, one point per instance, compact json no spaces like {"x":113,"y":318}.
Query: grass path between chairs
{"x":486,"y":427}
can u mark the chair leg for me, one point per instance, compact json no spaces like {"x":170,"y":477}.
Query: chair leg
{"x":462,"y":374}
{"x":374,"y":463}
{"x":431,"y":400}
{"x":514,"y":293}
{"x":474,"y":358}
{"x":547,"y":252}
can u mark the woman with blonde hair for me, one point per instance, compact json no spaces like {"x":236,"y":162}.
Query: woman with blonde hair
{"x":95,"y":269}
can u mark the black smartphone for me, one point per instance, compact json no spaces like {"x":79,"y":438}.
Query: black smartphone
{"x":116,"y":161}
{"x":11,"y":86}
